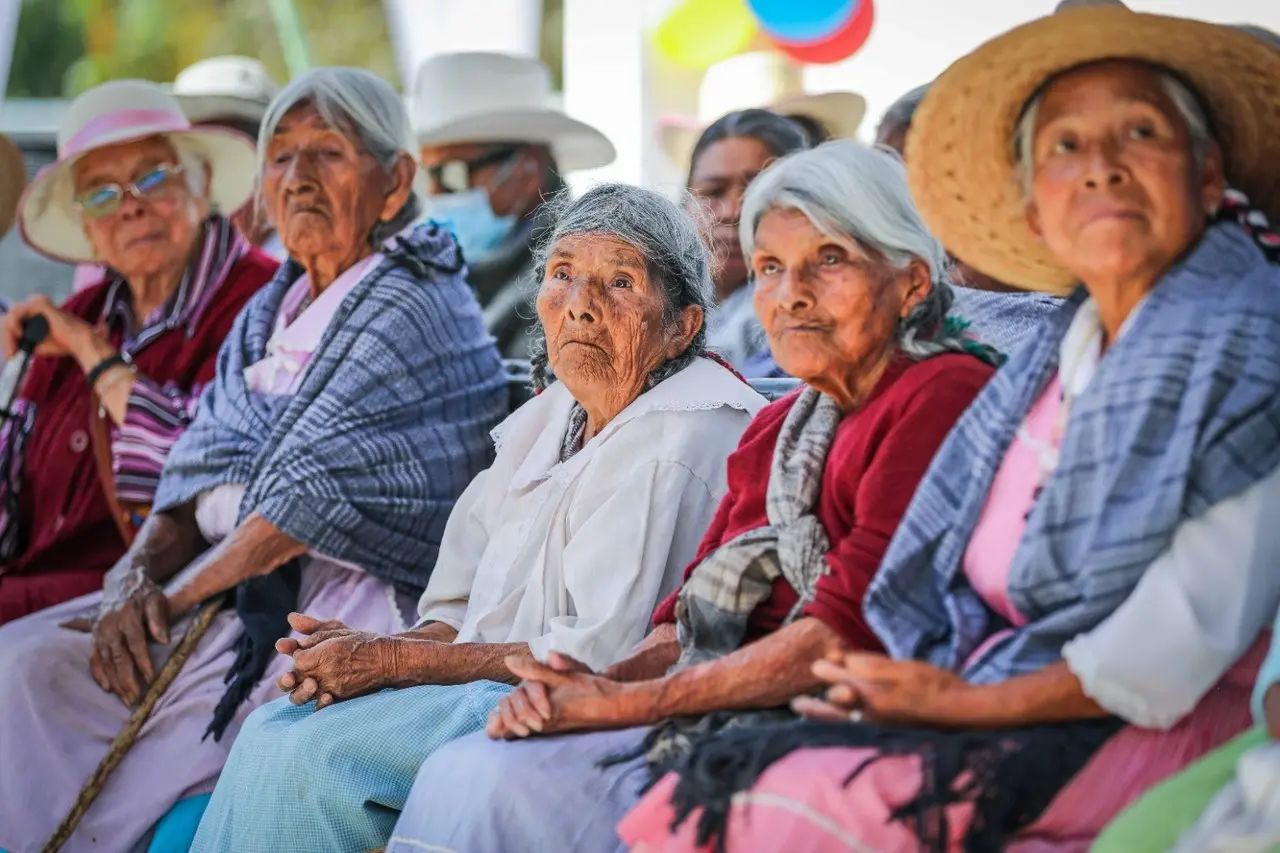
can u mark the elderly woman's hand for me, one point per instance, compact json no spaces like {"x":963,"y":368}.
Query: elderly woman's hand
{"x":336,"y":663}
{"x":134,"y":613}
{"x":68,"y":334}
{"x":879,"y":689}
{"x":562,"y":695}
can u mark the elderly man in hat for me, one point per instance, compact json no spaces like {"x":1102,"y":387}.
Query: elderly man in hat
{"x":493,"y":148}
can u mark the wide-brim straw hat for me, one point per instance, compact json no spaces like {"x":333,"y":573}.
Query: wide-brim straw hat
{"x":478,"y":97}
{"x":111,"y":114}
{"x":760,"y":80}
{"x":961,"y":157}
{"x":13,"y":180}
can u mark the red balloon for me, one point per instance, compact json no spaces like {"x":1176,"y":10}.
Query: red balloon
{"x":844,"y":44}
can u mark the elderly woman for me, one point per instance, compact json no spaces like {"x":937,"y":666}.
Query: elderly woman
{"x":997,"y":313}
{"x":1093,"y":549}
{"x":726,"y":159}
{"x":601,"y":489}
{"x":349,"y":411}
{"x":853,"y":298}
{"x":139,"y":189}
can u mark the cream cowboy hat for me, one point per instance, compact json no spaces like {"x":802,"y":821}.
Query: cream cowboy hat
{"x":461,"y":98}
{"x":225,"y":87}
{"x":960,"y":153}
{"x":766,"y":80}
{"x":13,"y":179}
{"x":116,"y":112}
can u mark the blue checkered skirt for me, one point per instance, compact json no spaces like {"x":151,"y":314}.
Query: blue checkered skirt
{"x":334,"y":780}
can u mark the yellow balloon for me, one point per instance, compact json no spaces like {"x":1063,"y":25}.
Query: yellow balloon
{"x":699,"y":33}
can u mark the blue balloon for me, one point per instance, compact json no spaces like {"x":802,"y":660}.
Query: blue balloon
{"x":803,"y":20}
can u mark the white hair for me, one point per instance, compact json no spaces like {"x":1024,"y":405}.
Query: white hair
{"x":1185,"y":101}
{"x":362,"y":104}
{"x":859,"y":194}
{"x":195,"y":167}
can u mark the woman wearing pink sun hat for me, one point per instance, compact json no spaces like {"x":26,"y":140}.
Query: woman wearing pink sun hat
{"x":142,"y":192}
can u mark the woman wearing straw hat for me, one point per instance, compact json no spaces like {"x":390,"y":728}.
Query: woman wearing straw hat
{"x":1072,"y":604}
{"x":140,"y":189}
{"x":350,"y":408}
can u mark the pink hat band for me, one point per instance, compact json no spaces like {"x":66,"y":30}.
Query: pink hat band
{"x":140,"y":122}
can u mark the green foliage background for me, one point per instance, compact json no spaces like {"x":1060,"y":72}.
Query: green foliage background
{"x":66,"y":46}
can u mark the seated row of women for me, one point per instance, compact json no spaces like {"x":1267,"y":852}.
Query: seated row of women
{"x":984,"y":594}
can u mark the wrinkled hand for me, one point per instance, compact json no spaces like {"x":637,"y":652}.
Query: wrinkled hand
{"x":333,"y":662}
{"x":67,"y":332}
{"x":561,"y":695}
{"x":883,"y":689}
{"x":134,"y":613}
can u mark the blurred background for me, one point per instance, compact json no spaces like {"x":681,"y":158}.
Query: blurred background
{"x":620,"y":65}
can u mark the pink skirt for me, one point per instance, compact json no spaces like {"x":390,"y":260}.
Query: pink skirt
{"x":802,"y":805}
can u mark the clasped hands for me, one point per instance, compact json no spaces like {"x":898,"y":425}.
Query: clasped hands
{"x":332,"y":662}
{"x":564,"y":695}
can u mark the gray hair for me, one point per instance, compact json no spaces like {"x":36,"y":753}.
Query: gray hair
{"x":902,"y":112}
{"x":365,"y":105}
{"x":675,"y":255}
{"x":1185,"y":101}
{"x":859,"y":194}
{"x":194,"y":164}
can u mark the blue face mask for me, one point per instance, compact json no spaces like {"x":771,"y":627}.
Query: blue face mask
{"x":470,"y":217}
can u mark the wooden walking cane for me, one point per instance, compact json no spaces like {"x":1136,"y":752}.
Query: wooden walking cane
{"x":123,"y":741}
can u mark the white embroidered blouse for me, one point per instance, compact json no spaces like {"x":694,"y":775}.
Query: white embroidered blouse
{"x":574,"y":556}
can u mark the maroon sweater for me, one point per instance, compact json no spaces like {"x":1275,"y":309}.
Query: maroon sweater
{"x":877,"y":458}
{"x":69,"y":538}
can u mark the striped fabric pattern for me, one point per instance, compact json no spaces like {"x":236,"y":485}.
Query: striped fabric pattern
{"x":156,"y":415}
{"x":391,"y":422}
{"x":14,"y":432}
{"x":1183,"y":412}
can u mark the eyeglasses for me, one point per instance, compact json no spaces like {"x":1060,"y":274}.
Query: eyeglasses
{"x":454,"y":176}
{"x":106,"y":199}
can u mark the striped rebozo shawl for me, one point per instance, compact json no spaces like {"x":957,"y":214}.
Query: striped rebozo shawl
{"x":363,"y":464}
{"x":1183,"y":412}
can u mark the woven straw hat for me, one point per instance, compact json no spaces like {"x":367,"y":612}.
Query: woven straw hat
{"x":960,"y":153}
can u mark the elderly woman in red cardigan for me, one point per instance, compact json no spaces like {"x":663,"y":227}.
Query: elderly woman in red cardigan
{"x":141,"y":191}
{"x":851,"y":289}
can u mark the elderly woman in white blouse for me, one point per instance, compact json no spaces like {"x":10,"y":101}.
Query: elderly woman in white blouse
{"x":602,"y":488}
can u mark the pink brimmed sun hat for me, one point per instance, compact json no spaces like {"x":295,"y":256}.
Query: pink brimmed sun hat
{"x":116,"y":112}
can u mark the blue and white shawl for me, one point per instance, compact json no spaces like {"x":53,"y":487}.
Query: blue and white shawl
{"x":1183,"y":412}
{"x":364,"y":463}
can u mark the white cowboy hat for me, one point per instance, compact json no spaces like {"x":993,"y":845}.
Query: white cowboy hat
{"x":461,"y":98}
{"x":763,"y":79}
{"x":116,"y":112}
{"x":225,"y":87}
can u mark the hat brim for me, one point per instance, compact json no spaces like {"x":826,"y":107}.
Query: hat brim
{"x":575,"y":145}
{"x":13,"y":180}
{"x":51,"y":225}
{"x":961,"y":160}
{"x":205,"y":108}
{"x":841,"y":113}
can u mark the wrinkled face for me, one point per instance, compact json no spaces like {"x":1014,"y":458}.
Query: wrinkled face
{"x":143,"y":236}
{"x":718,"y":181}
{"x":324,"y":192}
{"x":1116,"y":192}
{"x":831,"y":309}
{"x":605,"y":318}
